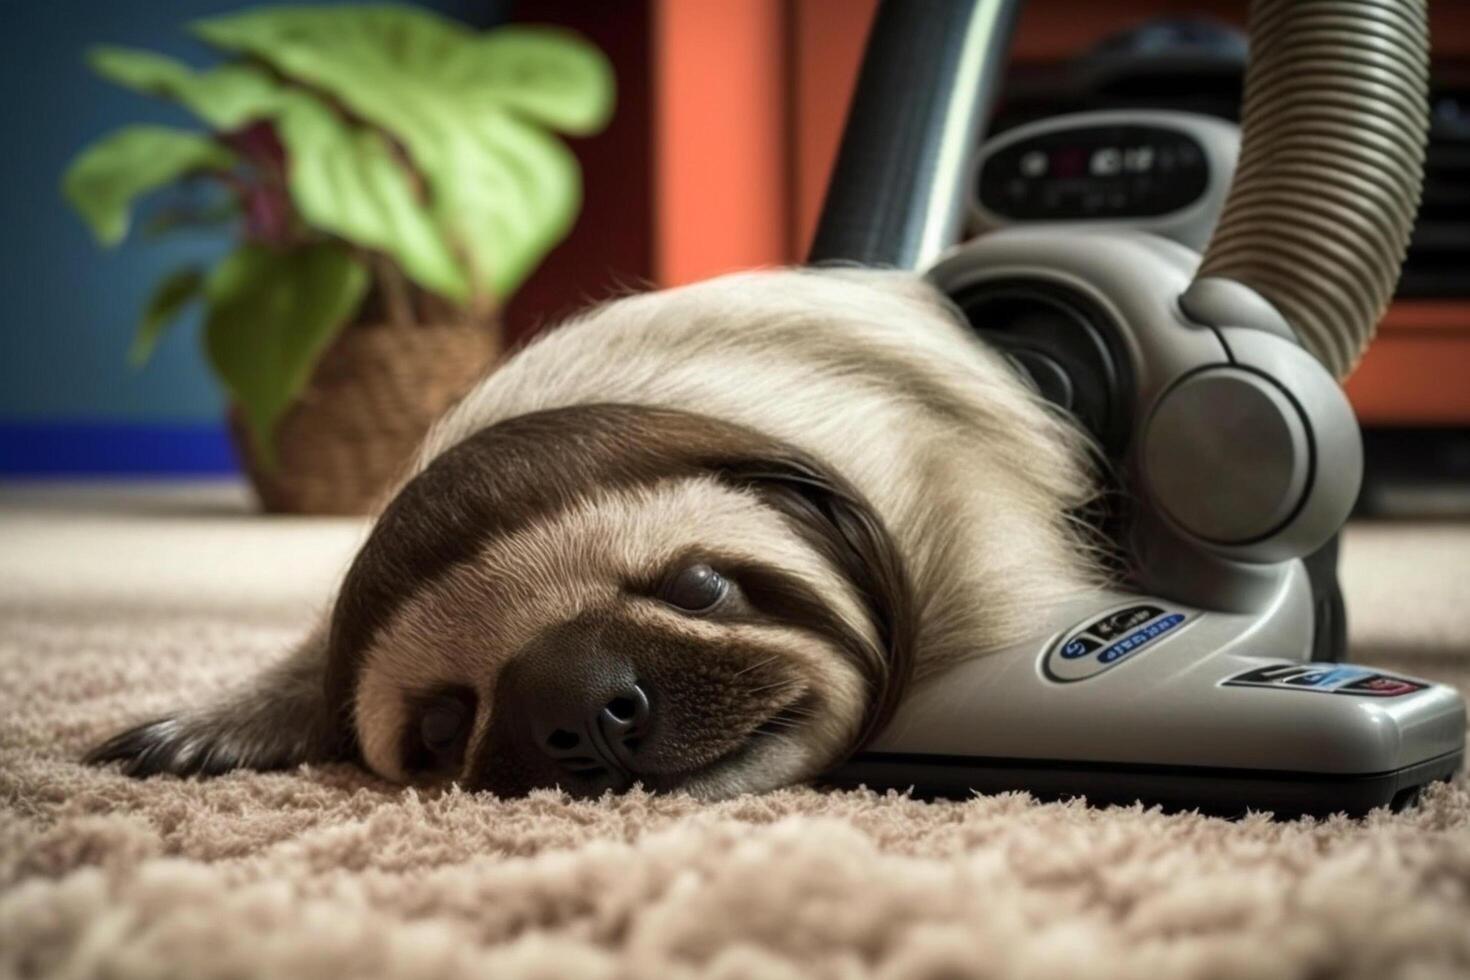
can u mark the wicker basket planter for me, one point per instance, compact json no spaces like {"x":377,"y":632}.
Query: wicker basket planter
{"x":351,"y":436}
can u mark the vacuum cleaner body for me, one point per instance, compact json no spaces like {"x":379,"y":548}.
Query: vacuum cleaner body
{"x":1210,"y":385}
{"x":1120,"y":698}
{"x":1239,"y":454}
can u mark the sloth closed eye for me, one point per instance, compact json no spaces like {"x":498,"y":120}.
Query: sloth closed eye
{"x":696,"y":540}
{"x":444,"y":723}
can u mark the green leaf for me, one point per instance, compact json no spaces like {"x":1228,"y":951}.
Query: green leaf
{"x":271,"y":315}
{"x":550,"y":76}
{"x":468,"y":108}
{"x":515,"y":194}
{"x":343,"y":179}
{"x":103,"y":180}
{"x":405,"y":38}
{"x":226,"y":98}
{"x":169,"y":298}
{"x":346,"y":181}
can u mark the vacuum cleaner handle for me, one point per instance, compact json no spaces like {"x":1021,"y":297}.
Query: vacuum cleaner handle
{"x":1334,"y":126}
{"x":928,"y":81}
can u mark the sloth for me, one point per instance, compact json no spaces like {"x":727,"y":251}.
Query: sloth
{"x":700,"y":540}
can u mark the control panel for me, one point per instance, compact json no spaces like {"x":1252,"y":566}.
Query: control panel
{"x":1094,"y":172}
{"x":1163,"y":171}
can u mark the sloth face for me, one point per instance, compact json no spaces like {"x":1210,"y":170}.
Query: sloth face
{"x":607,"y":595}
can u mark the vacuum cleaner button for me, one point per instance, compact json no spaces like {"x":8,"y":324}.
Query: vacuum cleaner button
{"x":1120,"y":622}
{"x":1079,"y":646}
{"x":1381,"y":686}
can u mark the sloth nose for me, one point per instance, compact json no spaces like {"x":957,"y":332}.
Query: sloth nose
{"x":586,"y":734}
{"x":587,"y":713}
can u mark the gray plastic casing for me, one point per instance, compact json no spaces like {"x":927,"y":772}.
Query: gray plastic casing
{"x":1136,"y":281}
{"x":1170,"y":704}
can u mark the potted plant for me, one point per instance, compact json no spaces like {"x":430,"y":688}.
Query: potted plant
{"x":393,"y":177}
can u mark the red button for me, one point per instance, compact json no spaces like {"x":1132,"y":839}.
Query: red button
{"x":1389,"y":686}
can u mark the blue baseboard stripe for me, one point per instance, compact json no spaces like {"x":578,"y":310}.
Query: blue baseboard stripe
{"x":114,"y":449}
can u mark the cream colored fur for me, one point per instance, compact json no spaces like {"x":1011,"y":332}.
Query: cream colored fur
{"x":974,"y":476}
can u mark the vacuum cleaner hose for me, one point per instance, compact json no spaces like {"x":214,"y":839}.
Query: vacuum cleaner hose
{"x":929,"y":77}
{"x":1334,"y":123}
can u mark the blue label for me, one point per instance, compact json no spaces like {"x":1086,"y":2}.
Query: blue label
{"x":1136,"y":640}
{"x":1326,"y":677}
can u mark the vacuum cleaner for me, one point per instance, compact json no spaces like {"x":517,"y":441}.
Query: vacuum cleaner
{"x":1214,"y":676}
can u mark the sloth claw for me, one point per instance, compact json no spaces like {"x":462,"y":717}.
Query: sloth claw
{"x":167,"y":745}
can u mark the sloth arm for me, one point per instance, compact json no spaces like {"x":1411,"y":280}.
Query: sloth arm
{"x":278,"y":720}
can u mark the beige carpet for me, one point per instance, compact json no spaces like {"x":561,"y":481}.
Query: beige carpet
{"x":116,"y":605}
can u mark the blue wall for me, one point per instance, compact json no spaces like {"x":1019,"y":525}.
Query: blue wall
{"x":69,"y":401}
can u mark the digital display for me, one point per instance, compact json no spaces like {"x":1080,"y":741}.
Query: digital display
{"x":1094,"y":172}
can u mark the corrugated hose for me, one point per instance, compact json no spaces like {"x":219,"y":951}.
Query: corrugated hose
{"x":1335,"y":122}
